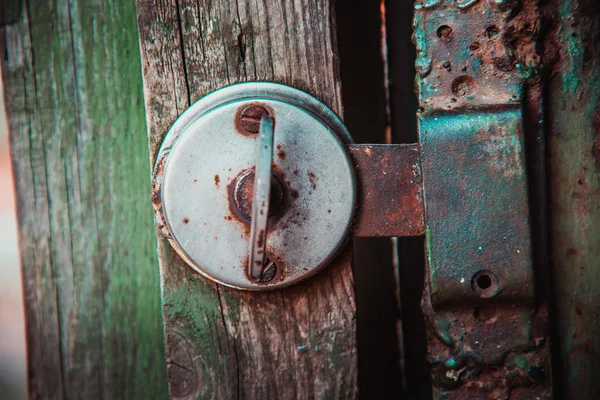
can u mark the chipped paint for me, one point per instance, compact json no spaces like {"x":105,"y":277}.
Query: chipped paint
{"x":486,"y":338}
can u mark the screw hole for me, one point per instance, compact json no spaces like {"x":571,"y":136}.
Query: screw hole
{"x":485,"y":284}
{"x":492,"y":32}
{"x":475,"y":47}
{"x":444,"y":32}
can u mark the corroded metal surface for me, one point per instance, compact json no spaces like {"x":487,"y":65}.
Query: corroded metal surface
{"x":477,"y":208}
{"x":488,"y":352}
{"x":474,"y":53}
{"x":390,"y":196}
{"x":487,"y":338}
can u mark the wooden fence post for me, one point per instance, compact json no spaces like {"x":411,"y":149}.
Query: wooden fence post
{"x":73,"y":92}
{"x":222,"y":343}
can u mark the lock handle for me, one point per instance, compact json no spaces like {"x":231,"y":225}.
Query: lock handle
{"x":260,"y":199}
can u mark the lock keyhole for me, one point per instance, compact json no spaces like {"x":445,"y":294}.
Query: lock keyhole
{"x":240,"y":196}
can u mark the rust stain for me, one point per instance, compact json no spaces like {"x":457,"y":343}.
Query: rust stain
{"x":313,"y":179}
{"x":186,"y":220}
{"x":281,"y":152}
{"x":156,"y":200}
{"x":156,"y":188}
{"x":261,"y":238}
{"x":157,"y":194}
{"x":280,"y":273}
{"x":390,"y":202}
{"x":240,"y":192}
{"x":247,"y":117}
{"x":217,"y":180}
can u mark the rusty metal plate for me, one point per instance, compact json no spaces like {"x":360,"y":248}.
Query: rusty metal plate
{"x":390,"y":196}
{"x":204,"y":176}
{"x":487,"y":335}
{"x":473,"y":53}
{"x":489,"y":352}
{"x":473,"y":58}
{"x":478,"y":236}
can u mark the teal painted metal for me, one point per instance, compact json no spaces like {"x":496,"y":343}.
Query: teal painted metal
{"x":487,"y":338}
{"x":477,"y":209}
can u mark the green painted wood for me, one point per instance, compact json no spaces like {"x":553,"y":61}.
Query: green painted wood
{"x":73,"y":92}
{"x":573,"y":45}
{"x":297,"y":342}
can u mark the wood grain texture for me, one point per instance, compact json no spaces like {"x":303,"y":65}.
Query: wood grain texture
{"x":73,"y":93}
{"x":574,"y":193}
{"x":221,"y":343}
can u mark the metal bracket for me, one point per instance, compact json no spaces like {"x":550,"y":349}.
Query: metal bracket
{"x":478,"y":234}
{"x":487,"y":336}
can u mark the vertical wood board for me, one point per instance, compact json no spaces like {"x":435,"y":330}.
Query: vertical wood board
{"x":222,"y":343}
{"x":73,"y":93}
{"x":574,"y":192}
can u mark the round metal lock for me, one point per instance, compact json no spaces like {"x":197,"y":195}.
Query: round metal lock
{"x":205,"y":175}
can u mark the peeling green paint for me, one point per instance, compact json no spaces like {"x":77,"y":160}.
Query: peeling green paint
{"x":193,"y":303}
{"x":72,"y":76}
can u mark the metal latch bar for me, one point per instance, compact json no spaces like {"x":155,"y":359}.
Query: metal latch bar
{"x":390,"y":195}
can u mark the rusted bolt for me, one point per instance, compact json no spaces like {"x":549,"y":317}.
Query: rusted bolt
{"x":241,"y":196}
{"x":269,"y":271}
{"x":247,"y":120}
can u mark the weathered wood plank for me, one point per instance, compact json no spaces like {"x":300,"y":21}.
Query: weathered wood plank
{"x":74,"y":100}
{"x":573,"y":46}
{"x":221,"y":343}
